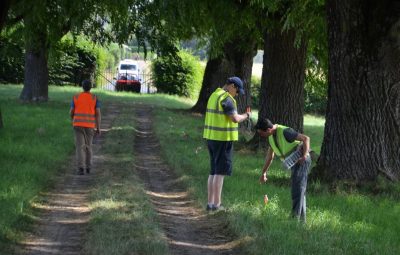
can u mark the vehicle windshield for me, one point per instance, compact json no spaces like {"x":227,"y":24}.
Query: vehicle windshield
{"x":128,"y":67}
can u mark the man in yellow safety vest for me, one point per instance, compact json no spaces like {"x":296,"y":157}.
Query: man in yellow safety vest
{"x":220,"y":130}
{"x":293,"y":149}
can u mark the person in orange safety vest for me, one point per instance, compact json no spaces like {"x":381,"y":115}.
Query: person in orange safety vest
{"x":86,"y":118}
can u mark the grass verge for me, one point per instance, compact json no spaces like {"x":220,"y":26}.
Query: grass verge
{"x":35,"y":141}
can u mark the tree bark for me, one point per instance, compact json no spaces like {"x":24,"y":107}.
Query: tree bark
{"x":241,"y":60}
{"x":282,"y":81}
{"x":4,"y":7}
{"x":1,"y":120}
{"x":362,"y":130}
{"x":215,"y":74}
{"x":36,"y":76}
{"x":235,"y":61}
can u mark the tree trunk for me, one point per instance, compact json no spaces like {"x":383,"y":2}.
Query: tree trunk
{"x":215,"y":74}
{"x":234,"y":62}
{"x":36,"y":76}
{"x":1,"y":120}
{"x":282,"y":81}
{"x":241,"y":60}
{"x":362,"y":130}
{"x":4,"y":7}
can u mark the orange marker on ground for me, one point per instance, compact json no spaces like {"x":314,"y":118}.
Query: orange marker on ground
{"x":265,"y":199}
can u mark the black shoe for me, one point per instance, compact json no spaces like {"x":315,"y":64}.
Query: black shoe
{"x":218,"y":208}
{"x":88,"y":170}
{"x":80,"y":171}
{"x":209,"y":208}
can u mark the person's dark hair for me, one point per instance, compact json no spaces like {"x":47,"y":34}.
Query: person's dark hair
{"x":264,"y":124}
{"x":86,"y":85}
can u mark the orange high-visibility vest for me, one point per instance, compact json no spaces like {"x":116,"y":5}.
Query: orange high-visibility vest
{"x":85,"y":110}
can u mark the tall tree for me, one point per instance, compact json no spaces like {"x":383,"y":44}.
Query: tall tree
{"x":288,"y":27}
{"x":232,"y":40}
{"x":234,"y":60}
{"x":362,"y":130}
{"x":216,"y":71}
{"x":4,"y":7}
{"x":282,"y":83}
{"x":240,"y":53}
{"x":36,"y":73}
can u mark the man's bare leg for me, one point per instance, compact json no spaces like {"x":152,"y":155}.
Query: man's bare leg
{"x":210,"y":190}
{"x":218,"y":182}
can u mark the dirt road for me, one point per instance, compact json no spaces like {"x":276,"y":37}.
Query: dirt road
{"x":189,"y":229}
{"x":65,"y":213}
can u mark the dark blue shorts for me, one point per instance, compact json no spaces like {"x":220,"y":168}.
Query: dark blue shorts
{"x":220,"y":157}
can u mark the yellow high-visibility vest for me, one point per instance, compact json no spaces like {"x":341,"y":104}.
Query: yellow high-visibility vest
{"x":281,"y":147}
{"x":219,"y":126}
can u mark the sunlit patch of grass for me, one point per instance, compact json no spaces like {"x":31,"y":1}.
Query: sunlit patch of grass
{"x":108,"y":204}
{"x":324,"y":219}
{"x":361,"y":227}
{"x":314,"y":121}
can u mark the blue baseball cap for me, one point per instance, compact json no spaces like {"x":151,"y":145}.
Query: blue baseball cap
{"x":237,"y":82}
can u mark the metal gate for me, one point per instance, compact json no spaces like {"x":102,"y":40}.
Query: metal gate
{"x":108,"y":80}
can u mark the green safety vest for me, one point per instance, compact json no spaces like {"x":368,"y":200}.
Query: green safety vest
{"x":218,"y":126}
{"x":281,"y":147}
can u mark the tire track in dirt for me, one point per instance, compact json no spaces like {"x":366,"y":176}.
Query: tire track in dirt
{"x":188,"y":229}
{"x":63,"y":211}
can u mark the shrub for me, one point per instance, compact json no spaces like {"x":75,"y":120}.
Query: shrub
{"x":72,"y":61}
{"x":255,"y":91}
{"x":114,"y":52}
{"x":316,"y":92}
{"x":63,"y":62}
{"x":11,"y":57}
{"x":179,"y":74}
{"x":316,"y":86}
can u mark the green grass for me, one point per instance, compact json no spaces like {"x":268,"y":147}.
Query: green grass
{"x":314,"y":127}
{"x":37,"y":140}
{"x":348,"y":223}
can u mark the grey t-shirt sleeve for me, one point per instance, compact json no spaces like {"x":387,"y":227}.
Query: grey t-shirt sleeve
{"x":228,"y":106}
{"x":290,"y":134}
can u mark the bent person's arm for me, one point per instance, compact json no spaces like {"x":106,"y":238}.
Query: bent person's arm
{"x":306,"y":144}
{"x":268,"y":160}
